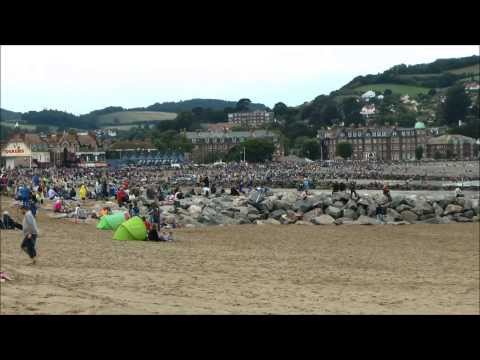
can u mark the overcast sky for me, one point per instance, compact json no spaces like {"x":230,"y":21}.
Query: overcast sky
{"x":80,"y":79}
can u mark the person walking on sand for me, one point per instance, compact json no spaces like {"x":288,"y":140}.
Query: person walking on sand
{"x":30,"y":232}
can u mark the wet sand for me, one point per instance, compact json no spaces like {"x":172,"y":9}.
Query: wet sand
{"x":245,"y":269}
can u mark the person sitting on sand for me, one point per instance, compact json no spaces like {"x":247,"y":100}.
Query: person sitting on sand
{"x":57,"y":206}
{"x":153,"y":234}
{"x":9,"y":223}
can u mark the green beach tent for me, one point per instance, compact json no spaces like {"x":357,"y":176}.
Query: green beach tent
{"x":111,"y":222}
{"x":132,"y":229}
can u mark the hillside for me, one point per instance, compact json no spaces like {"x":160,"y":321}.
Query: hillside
{"x":7,"y":115}
{"x":441,"y":73}
{"x":133,"y":117}
{"x":188,"y":105}
{"x":396,"y":89}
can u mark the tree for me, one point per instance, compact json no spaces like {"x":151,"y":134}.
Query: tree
{"x":344,"y":149}
{"x":387,"y":92}
{"x":243,"y":105}
{"x":456,"y":105}
{"x":256,"y":150}
{"x":432,"y":92}
{"x":280,"y":109}
{"x":310,"y":149}
{"x":419,"y":152}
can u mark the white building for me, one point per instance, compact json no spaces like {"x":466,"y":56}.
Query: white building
{"x":26,"y":150}
{"x":368,"y":110}
{"x":370,"y":94}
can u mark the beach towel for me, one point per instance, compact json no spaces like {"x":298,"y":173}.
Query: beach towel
{"x":133,"y":229}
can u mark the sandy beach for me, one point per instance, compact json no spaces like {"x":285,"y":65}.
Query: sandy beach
{"x":245,"y":269}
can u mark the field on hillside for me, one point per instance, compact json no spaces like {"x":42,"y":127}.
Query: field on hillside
{"x":475,"y":69}
{"x":244,"y":269}
{"x":396,"y":88}
{"x":131,"y":117}
{"x":21,"y":126}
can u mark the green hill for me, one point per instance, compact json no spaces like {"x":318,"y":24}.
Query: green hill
{"x":133,"y":118}
{"x":188,"y":105}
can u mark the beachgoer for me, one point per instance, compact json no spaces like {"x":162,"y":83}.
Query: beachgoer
{"x":30,"y":232}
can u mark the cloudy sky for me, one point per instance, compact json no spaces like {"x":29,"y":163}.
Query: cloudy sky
{"x":80,"y":79}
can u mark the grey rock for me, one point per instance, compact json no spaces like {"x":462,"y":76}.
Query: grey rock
{"x":423,"y":207}
{"x":362,"y":211}
{"x":312,"y":214}
{"x":469,"y":214}
{"x":277,"y":214}
{"x":409,"y":216}
{"x":323,"y":220}
{"x":253,"y":217}
{"x":366,"y":220}
{"x":303,"y":205}
{"x":338,"y":204}
{"x":426,"y":216}
{"x":394,"y":214}
{"x":462,"y":219}
{"x":350,"y":214}
{"x":437,"y":209}
{"x":334,"y":212}
{"x":300,"y":222}
{"x":363,"y":201}
{"x":451,"y":209}
{"x":403,"y":207}
{"x":281,"y":205}
{"x":195,"y":210}
{"x":351,"y":204}
{"x":476,"y":218}
{"x":255,"y":197}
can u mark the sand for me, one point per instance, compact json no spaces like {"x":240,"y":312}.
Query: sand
{"x":246,"y":269}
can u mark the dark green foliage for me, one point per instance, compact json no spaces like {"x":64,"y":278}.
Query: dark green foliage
{"x":243,"y":105}
{"x":172,"y":141}
{"x":456,"y":105}
{"x":189,"y":105}
{"x":256,"y":150}
{"x":60,"y":119}
{"x":344,"y":150}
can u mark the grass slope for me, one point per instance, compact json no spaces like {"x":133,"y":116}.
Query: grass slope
{"x":396,"y":88}
{"x":134,"y":117}
{"x":472,"y":69}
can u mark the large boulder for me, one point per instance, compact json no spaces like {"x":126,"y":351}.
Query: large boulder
{"x":403,"y":207}
{"x":362,"y":210}
{"x":469,"y":214}
{"x":350,"y":214}
{"x":301,"y":222}
{"x":253,"y":217}
{"x":281,"y":204}
{"x":394,"y":215}
{"x":338,"y":204}
{"x":422,"y":207}
{"x":323,"y":220}
{"x":460,"y":218}
{"x":366,"y":220}
{"x":277,"y":214}
{"x":334,"y":212}
{"x":444,"y":202}
{"x":468,"y":204}
{"x":426,"y":216}
{"x":476,"y":206}
{"x":312,"y":214}
{"x":268,"y":221}
{"x":303,"y":205}
{"x":435,"y":220}
{"x":351,"y":204}
{"x":452,"y":209}
{"x":194,"y":210}
{"x":409,"y":216}
{"x":363,"y":201}
{"x":397,"y":201}
{"x":437,"y":209}
{"x":289,"y":197}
